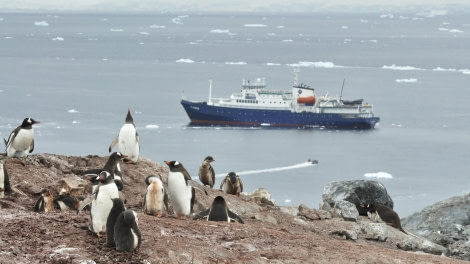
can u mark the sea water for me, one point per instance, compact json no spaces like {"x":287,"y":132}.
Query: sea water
{"x":78,"y":74}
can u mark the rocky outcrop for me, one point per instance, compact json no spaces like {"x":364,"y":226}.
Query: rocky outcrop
{"x":446,"y":223}
{"x":356,"y":192}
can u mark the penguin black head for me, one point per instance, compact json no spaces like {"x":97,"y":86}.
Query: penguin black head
{"x":219,"y":200}
{"x":209,"y":159}
{"x":105,"y":177}
{"x":175,"y":165}
{"x":28,"y":122}
{"x":233,"y":177}
{"x":149,"y":179}
{"x":129,"y":119}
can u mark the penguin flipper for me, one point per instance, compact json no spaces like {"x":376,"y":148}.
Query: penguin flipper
{"x":196,"y":185}
{"x":31,"y":147}
{"x":165,"y":200}
{"x":84,"y":203}
{"x":39,"y":205}
{"x":115,"y":141}
{"x":234,"y":217}
{"x":202,"y":215}
{"x":241,"y":184}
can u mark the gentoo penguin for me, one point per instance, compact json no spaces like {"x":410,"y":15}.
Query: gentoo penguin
{"x":128,"y":140}
{"x":21,"y":139}
{"x":116,"y":210}
{"x":233,"y":184}
{"x":219,"y":212}
{"x":206,"y":172}
{"x":386,"y":214}
{"x":102,"y":204}
{"x":5,"y":187}
{"x":181,"y":189}
{"x":156,"y":198}
{"x":126,"y":231}
{"x":45,"y":203}
{"x":65,"y":202}
{"x":111,"y":166}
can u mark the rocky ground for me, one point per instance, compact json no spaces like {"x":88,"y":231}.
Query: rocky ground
{"x":269,"y":235}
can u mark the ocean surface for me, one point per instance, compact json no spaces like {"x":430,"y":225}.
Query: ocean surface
{"x":78,"y":74}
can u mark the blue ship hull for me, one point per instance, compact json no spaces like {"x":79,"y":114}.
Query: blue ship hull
{"x":200,"y":113}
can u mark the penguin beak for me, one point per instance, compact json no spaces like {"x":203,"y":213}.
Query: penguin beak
{"x":167,"y":163}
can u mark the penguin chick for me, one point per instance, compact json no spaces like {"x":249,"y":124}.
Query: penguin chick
{"x":66,"y":202}
{"x":127,"y":235}
{"x":233,"y":184}
{"x":219,"y":212}
{"x":128,"y":140}
{"x":21,"y":139}
{"x":156,"y":198}
{"x":45,"y":203}
{"x":386,"y":214}
{"x":206,"y":172}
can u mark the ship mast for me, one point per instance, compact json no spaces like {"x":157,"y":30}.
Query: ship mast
{"x":209,"y":102}
{"x":296,"y":75}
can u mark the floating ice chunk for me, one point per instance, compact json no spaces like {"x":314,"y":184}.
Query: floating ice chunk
{"x":185,"y":60}
{"x":152,"y":126}
{"x":317,"y":64}
{"x":273,"y":64}
{"x":411,"y":80}
{"x":379,"y":175}
{"x":116,"y":29}
{"x":58,"y":39}
{"x":72,"y":111}
{"x":144,"y":33}
{"x":235,"y":63}
{"x":255,"y":25}
{"x":220,"y":31}
{"x":41,"y":23}
{"x":400,"y":68}
{"x":156,"y":26}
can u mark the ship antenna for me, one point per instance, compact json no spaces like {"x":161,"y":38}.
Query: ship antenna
{"x":342,"y":87}
{"x":296,"y":75}
{"x":210,"y":92}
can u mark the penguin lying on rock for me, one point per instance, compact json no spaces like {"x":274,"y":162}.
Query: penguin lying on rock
{"x":45,"y":203}
{"x":386,"y":214}
{"x":219,"y":212}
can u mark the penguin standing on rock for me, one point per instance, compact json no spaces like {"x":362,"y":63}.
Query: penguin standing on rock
{"x":181,"y":189}
{"x":127,"y":235}
{"x":156,"y":198}
{"x":102,"y":203}
{"x":21,"y":139}
{"x":386,"y":214}
{"x":116,"y":210}
{"x":111,"y":166}
{"x":5,"y":187}
{"x":233,"y":184}
{"x":219,"y":212}
{"x":128,"y":140}
{"x":45,"y":203}
{"x":206,"y":172}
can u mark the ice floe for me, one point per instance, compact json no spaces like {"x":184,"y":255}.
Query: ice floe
{"x":220,"y":31}
{"x":41,"y":23}
{"x":400,"y":68}
{"x":185,"y":60}
{"x":411,"y":80}
{"x":255,"y":25}
{"x":378,"y":175}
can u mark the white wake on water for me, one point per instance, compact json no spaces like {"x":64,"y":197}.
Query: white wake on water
{"x":291,"y":167}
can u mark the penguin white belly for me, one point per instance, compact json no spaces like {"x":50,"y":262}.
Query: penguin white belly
{"x":180,"y":194}
{"x":128,"y":144}
{"x":20,"y":146}
{"x":101,"y":206}
{"x":2,"y":181}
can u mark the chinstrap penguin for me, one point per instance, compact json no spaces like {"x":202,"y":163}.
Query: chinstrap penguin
{"x":127,"y":235}
{"x":116,"y":210}
{"x":128,"y":140}
{"x":206,"y":172}
{"x":233,"y":184}
{"x":219,"y":212}
{"x":102,"y":203}
{"x":45,"y":203}
{"x":21,"y":139}
{"x":156,"y":198}
{"x":386,"y":214}
{"x":181,"y":189}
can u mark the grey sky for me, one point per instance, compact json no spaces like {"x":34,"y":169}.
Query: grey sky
{"x":219,"y":5}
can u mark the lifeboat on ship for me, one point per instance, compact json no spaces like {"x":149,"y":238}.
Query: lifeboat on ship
{"x":310,"y":100}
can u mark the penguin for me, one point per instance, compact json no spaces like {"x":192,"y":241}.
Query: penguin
{"x":206,"y":172}
{"x":386,"y":214}
{"x":45,"y":203}
{"x":128,"y":140}
{"x":233,"y":184}
{"x":102,"y":203}
{"x":127,"y":235}
{"x":181,"y":189}
{"x":156,"y":198}
{"x":65,"y":202}
{"x":112,"y":166}
{"x":116,"y":210}
{"x":219,"y":212}
{"x":5,"y":187}
{"x":21,"y":139}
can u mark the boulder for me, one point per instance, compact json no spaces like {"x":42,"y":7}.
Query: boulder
{"x":356,"y":192}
